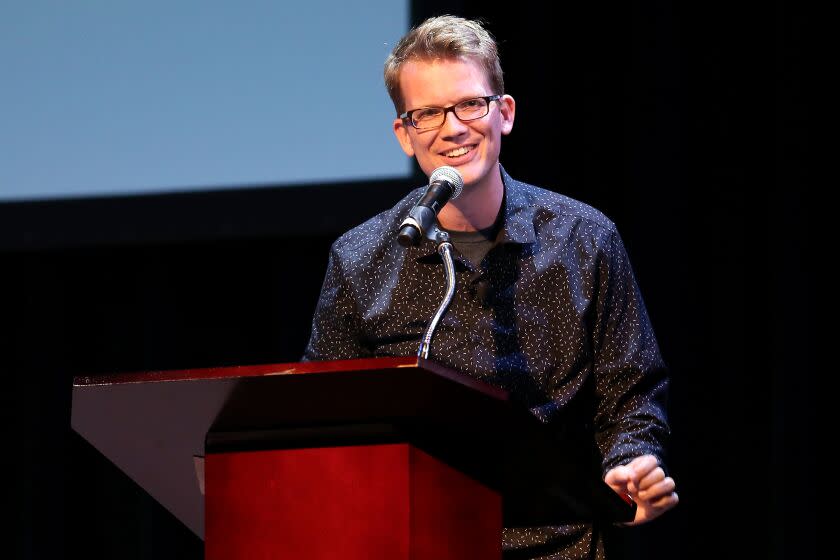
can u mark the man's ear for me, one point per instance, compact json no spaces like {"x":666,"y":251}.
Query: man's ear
{"x":402,"y":134}
{"x":507,"y":108}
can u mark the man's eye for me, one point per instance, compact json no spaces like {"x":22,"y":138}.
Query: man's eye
{"x":425,"y":114}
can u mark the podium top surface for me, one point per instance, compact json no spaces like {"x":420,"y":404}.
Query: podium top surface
{"x":290,"y":368}
{"x":156,"y":427}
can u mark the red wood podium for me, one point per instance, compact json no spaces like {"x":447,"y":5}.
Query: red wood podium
{"x":393,"y":458}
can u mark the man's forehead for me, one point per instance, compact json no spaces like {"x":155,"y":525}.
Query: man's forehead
{"x":440,"y":82}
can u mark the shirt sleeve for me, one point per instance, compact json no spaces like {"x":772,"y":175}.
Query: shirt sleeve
{"x":336,"y":333}
{"x":631,"y":378}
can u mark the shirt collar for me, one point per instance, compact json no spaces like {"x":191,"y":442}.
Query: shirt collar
{"x":518,"y":226}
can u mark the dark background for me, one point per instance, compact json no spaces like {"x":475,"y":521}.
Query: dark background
{"x":686,"y":124}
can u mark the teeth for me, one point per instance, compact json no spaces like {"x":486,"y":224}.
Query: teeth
{"x":458,"y":151}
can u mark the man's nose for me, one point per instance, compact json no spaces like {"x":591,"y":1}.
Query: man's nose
{"x":452,"y":125}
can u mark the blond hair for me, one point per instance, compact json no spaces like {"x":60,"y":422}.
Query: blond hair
{"x":444,"y":38}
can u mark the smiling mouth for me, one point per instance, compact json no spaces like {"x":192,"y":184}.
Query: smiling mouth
{"x":460,"y":151}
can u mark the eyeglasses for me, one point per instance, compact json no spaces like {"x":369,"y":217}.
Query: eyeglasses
{"x":434,"y":117}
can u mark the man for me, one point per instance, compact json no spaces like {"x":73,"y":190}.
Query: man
{"x":546,"y":304}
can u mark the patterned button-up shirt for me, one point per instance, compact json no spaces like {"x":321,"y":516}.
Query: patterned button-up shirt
{"x":552,"y":314}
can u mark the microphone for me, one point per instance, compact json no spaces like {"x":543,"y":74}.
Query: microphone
{"x":445,"y":184}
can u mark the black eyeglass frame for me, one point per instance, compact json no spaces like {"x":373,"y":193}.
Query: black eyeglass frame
{"x":406,"y":117}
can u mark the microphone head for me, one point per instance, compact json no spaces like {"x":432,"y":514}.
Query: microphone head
{"x":451,"y":176}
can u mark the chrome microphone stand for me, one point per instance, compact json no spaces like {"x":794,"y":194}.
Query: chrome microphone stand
{"x":444,"y":249}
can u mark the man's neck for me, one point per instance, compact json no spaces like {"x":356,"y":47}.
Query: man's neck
{"x":476,"y":208}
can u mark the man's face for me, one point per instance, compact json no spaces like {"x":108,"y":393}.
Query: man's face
{"x":470,"y":147}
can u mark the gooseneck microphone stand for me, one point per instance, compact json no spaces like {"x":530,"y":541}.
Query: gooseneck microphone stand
{"x":444,"y":249}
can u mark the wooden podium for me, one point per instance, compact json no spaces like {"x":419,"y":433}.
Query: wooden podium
{"x":392,"y":458}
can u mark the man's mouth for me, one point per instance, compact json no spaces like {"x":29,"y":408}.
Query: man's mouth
{"x":461,"y":150}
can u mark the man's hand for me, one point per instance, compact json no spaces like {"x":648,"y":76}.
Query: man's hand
{"x":644,"y":481}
